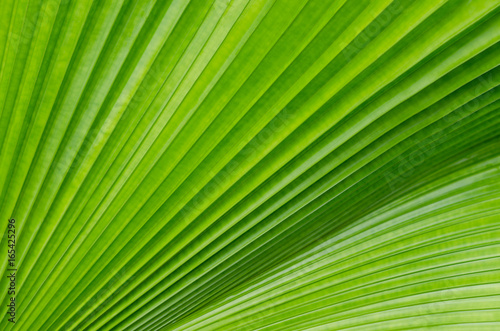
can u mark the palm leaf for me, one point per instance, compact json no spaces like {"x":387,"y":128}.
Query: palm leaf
{"x":251,"y":164}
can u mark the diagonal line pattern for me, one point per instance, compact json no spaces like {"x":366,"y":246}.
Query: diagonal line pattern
{"x":251,"y":164}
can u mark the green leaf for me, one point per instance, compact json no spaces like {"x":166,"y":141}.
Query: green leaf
{"x":250,"y":164}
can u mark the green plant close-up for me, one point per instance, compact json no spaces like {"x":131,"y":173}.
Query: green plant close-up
{"x":250,"y":165}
